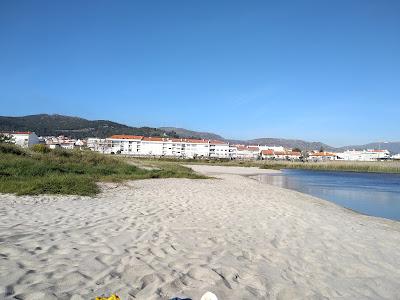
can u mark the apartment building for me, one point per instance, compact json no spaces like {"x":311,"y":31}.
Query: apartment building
{"x":98,"y":145}
{"x":158,"y":146}
{"x":121,"y":144}
{"x":219,"y":149}
{"x":364,"y":155}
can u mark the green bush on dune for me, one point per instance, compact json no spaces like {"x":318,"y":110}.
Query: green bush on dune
{"x":40,"y":170}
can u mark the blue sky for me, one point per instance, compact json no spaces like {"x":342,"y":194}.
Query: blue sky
{"x":316,"y":70}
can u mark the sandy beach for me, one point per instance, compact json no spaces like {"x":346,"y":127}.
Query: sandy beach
{"x":165,"y":238}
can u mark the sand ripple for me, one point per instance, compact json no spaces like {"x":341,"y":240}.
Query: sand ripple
{"x":164,"y":238}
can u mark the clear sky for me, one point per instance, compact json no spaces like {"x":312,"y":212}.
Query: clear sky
{"x":316,"y":70}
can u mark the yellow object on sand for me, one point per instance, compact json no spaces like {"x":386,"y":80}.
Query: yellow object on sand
{"x":112,"y":297}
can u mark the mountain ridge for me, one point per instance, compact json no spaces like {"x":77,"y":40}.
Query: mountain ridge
{"x":77,"y":127}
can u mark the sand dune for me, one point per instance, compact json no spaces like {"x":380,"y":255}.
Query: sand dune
{"x":164,"y":238}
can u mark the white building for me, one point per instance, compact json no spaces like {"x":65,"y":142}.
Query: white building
{"x":119,"y":144}
{"x":219,"y":149}
{"x":322,"y":156}
{"x":152,"y":146}
{"x":280,"y":155}
{"x":24,"y":139}
{"x":364,"y":155}
{"x":274,"y":148}
{"x":247,"y":152}
{"x":98,"y":145}
{"x":158,"y":146}
{"x":193,"y":148}
{"x":396,"y":156}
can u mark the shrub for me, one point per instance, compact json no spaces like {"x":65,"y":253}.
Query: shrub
{"x":41,"y":148}
{"x":12,"y":149}
{"x":38,"y":171}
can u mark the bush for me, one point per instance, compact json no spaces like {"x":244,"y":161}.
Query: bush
{"x":39,"y":171}
{"x":41,"y":148}
{"x":11,"y":149}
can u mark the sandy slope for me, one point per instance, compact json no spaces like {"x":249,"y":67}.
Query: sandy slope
{"x":161,"y":238}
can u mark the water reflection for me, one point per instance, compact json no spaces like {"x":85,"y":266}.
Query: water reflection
{"x":372,"y":194}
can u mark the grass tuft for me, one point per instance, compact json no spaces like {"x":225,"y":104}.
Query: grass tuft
{"x":39,"y":171}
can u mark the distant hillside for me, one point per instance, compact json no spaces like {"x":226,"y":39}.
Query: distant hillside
{"x":184,"y":133}
{"x":304,"y":145}
{"x":81,"y":128}
{"x":288,"y":143}
{"x":74,"y":127}
{"x":393,"y":147}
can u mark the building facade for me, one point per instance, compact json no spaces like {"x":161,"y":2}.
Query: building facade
{"x":23,"y":138}
{"x":364,"y":155}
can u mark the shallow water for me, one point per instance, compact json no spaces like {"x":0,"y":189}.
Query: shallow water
{"x":373,"y":194}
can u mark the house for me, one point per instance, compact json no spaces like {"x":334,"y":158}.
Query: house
{"x":247,"y":152}
{"x":281,"y":155}
{"x":80,"y":144}
{"x":267,"y":154}
{"x":99,"y":145}
{"x":274,"y":148}
{"x":23,"y":138}
{"x":322,"y":156}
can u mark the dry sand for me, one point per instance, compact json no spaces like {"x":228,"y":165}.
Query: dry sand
{"x":164,"y":238}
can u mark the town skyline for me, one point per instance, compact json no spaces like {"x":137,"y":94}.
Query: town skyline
{"x":51,"y":124}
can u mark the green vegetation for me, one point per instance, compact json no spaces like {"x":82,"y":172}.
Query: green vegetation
{"x":74,"y":127}
{"x":373,"y":166}
{"x":39,"y":171}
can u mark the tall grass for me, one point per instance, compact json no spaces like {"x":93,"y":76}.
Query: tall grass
{"x":70,"y":172}
{"x":349,"y":166}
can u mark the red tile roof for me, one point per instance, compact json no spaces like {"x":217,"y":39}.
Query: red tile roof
{"x":217,"y":142}
{"x":192,"y":141}
{"x":197,"y":141}
{"x":267,"y":152}
{"x":374,"y":150}
{"x":126,"y":137}
{"x":153,"y":139}
{"x":293,"y":153}
{"x":286,"y":153}
{"x":253,"y":148}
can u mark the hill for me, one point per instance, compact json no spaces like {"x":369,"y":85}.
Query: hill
{"x":74,"y":127}
{"x":185,"y":133}
{"x":289,"y":143}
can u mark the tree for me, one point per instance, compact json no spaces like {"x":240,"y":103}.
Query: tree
{"x":296,"y":149}
{"x":321,"y":149}
{"x":5,"y":138}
